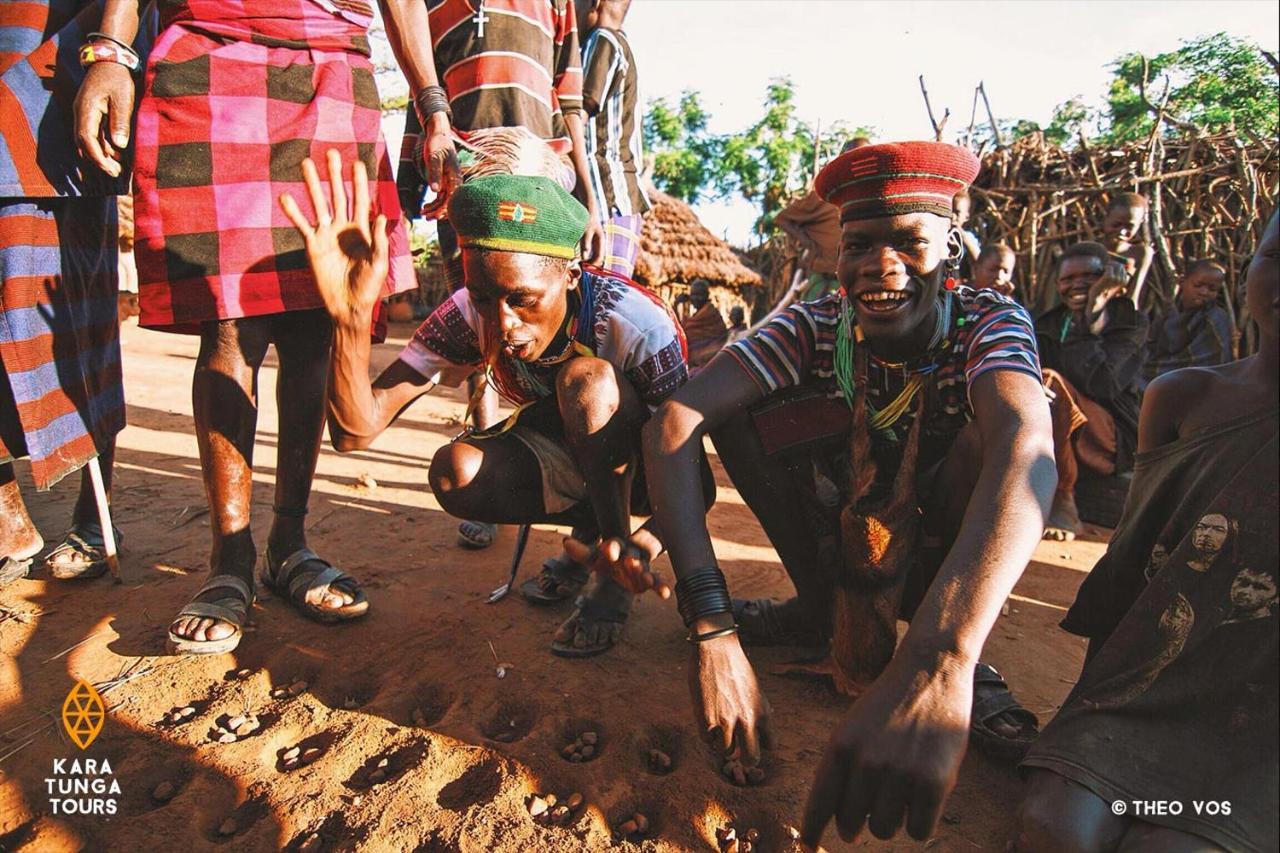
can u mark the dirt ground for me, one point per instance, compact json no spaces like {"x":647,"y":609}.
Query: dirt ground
{"x":460,"y":779}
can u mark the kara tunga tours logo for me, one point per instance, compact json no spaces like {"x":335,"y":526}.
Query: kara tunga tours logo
{"x":82,"y":786}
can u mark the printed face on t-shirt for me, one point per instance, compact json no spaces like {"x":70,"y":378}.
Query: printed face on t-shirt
{"x":1209,"y":535}
{"x":521,"y":298}
{"x":1252,"y":590}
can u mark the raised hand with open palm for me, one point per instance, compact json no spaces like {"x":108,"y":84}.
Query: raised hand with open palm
{"x":349,"y":255}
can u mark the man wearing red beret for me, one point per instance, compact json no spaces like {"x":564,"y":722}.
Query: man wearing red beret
{"x":894,"y":442}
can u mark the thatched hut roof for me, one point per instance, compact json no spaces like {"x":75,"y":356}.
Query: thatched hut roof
{"x":675,"y":248}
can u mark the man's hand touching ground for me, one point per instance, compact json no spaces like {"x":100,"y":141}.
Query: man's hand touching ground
{"x":727,"y":702}
{"x":894,"y":758}
{"x":348,"y":259}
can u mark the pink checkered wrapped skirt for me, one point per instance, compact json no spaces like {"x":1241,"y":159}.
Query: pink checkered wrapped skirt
{"x":235,"y":95}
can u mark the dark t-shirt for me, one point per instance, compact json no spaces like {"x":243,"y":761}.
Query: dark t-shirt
{"x":1179,"y":701}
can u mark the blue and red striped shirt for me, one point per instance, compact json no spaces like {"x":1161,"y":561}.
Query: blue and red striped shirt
{"x":988,"y":332}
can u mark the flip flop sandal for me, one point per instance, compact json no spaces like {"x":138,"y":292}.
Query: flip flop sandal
{"x":82,"y":553}
{"x":231,"y":608}
{"x":589,"y":611}
{"x":298,"y":575}
{"x":476,"y":534}
{"x":560,"y":580}
{"x":763,"y":622}
{"x":991,"y":698}
{"x":13,"y":569}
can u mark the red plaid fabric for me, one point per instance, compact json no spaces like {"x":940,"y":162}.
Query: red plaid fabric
{"x":236,"y":95}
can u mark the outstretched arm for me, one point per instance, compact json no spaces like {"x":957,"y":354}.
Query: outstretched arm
{"x":349,"y":258}
{"x":723,"y":686}
{"x":896,"y":755}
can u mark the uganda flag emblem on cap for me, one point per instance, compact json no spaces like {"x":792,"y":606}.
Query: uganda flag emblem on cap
{"x":514,"y":211}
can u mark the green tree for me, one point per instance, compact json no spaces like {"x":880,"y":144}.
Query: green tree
{"x":768,"y":162}
{"x":683,"y":150}
{"x":1214,"y":82}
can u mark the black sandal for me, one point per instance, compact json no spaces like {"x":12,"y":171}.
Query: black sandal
{"x":82,"y":553}
{"x":991,"y":698}
{"x":765,"y":622}
{"x":13,"y":569}
{"x":561,"y":579}
{"x":304,"y":570}
{"x":590,"y":610}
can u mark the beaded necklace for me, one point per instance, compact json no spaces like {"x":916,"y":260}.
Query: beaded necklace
{"x":882,"y":420}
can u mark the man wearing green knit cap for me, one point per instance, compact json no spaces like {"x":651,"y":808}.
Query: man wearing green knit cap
{"x":586,"y":356}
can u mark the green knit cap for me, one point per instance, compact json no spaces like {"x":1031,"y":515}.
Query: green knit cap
{"x":517,"y":213}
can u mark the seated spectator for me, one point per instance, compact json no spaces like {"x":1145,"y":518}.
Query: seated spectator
{"x":1091,"y":350}
{"x":1195,"y":331}
{"x":961,"y":206}
{"x":703,"y":324}
{"x":993,"y":270}
{"x":738,"y":327}
{"x":1122,"y":236}
{"x":1177,"y":700}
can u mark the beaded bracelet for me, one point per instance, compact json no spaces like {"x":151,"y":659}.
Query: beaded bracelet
{"x":91,"y":53}
{"x":701,"y":593}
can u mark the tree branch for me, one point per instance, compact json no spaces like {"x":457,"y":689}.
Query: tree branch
{"x":937,"y":127}
{"x":995,"y":128}
{"x":1160,"y":112}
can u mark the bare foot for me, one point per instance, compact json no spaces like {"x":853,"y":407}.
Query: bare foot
{"x":1064,"y":521}
{"x":204,"y":629}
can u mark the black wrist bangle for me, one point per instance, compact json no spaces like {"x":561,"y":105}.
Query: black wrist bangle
{"x":712,"y":635}
{"x":702,"y":593}
{"x":431,"y":100}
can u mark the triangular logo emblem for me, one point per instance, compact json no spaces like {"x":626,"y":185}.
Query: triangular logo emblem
{"x":83,"y":714}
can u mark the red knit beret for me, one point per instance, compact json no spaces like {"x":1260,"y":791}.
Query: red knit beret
{"x":895,"y":178}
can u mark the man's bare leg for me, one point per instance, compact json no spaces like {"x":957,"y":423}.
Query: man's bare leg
{"x":19,"y":539}
{"x":472,"y":533}
{"x":1064,"y":520}
{"x":303,"y":342}
{"x":82,"y":553}
{"x":767,"y":485}
{"x":1058,"y":815}
{"x":224,"y":395}
{"x":602,"y":417}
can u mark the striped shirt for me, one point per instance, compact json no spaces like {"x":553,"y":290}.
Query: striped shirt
{"x":988,"y":332}
{"x":39,"y":76}
{"x":615,"y":117}
{"x":524,"y":70}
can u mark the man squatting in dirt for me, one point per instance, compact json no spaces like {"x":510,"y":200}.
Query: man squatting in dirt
{"x":585,"y":354}
{"x":901,"y":337}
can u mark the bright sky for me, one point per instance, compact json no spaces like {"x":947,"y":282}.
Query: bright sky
{"x":858,"y":60}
